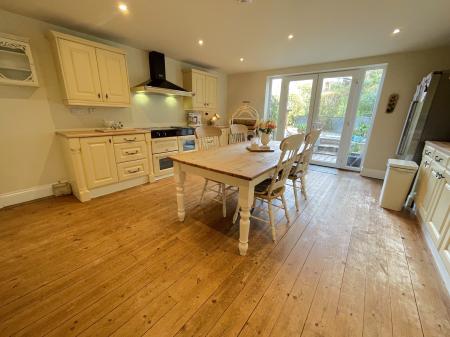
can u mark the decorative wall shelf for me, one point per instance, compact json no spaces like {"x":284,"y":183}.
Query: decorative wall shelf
{"x":16,"y":61}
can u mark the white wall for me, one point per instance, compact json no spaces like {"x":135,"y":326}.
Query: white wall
{"x":404,"y":71}
{"x":29,"y":151}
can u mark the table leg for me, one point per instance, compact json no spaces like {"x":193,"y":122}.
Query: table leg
{"x":245,"y":202}
{"x":180,"y":176}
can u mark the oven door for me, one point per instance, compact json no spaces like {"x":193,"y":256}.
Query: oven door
{"x":162,"y":164}
{"x":187,"y":143}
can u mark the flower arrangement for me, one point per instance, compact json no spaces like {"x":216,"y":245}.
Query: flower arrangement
{"x":267,"y":126}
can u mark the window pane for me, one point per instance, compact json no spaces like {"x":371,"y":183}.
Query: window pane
{"x":274,"y":99}
{"x":364,"y":115}
{"x":299,"y":100}
{"x":332,"y":108}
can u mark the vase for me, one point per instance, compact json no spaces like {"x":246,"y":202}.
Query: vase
{"x":265,"y":138}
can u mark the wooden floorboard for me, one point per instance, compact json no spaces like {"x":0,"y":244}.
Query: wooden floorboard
{"x":122,"y":265}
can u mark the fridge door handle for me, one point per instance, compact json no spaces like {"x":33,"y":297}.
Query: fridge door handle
{"x":403,"y":139}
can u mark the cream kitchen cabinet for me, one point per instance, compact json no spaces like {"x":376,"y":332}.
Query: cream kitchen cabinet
{"x":101,"y":163}
{"x":92,"y":74}
{"x":204,"y":88}
{"x":433,"y":203}
{"x":437,"y":223}
{"x":98,"y":161}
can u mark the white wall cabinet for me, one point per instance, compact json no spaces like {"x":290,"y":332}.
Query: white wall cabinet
{"x":204,"y":88}
{"x":433,"y":202}
{"x":92,"y":74}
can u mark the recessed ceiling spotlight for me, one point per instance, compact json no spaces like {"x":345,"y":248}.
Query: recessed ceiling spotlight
{"x":290,"y":36}
{"x":241,"y":59}
{"x":244,"y":1}
{"x":396,"y":31}
{"x":200,"y":42}
{"x":123,"y":7}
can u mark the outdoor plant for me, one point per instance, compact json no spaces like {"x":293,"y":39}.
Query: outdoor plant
{"x":267,"y":126}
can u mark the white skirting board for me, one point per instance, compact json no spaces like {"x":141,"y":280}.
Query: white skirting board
{"x":37,"y":192}
{"x":437,"y":259}
{"x":370,"y":173}
{"x":28,"y":194}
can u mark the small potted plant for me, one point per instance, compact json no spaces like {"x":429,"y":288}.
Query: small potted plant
{"x":265,"y":128}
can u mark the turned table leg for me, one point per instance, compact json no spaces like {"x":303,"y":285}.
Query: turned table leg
{"x":245,"y":202}
{"x":180,"y":176}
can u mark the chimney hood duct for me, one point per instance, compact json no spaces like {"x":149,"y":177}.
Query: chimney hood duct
{"x":158,"y":83}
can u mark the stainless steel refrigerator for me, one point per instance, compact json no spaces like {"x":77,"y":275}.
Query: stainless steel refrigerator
{"x":428,"y":116}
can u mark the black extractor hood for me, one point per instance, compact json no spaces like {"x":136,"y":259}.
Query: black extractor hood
{"x":158,"y":83}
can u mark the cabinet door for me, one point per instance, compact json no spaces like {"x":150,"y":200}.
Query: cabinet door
{"x":198,"y":88}
{"x":113,"y":76}
{"x":436,"y":224}
{"x":80,"y":71}
{"x":422,"y":187}
{"x":444,"y":250}
{"x":211,"y":92}
{"x":98,"y":161}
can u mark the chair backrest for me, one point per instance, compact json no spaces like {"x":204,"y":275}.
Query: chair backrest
{"x":304,"y":157}
{"x":208,"y":137}
{"x":238,"y":133}
{"x":289,"y":148}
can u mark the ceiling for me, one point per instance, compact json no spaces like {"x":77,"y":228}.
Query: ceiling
{"x":324,"y":30}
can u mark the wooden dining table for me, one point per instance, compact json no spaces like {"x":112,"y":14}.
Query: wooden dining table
{"x":232,"y":165}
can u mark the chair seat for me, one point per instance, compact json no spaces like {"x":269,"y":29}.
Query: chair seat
{"x":262,"y":188}
{"x":293,"y":174}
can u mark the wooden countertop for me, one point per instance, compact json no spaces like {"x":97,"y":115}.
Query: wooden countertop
{"x":95,"y":133}
{"x":441,"y":146}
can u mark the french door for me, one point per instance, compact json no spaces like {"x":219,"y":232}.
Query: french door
{"x":331,"y":102}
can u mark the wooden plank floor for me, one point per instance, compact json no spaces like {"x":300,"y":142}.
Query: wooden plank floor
{"x":122,"y":265}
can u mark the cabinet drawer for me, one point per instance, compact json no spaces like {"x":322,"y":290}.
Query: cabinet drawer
{"x":129,"y":138}
{"x":168,"y":144}
{"x":132,"y":169}
{"x":130,"y":151}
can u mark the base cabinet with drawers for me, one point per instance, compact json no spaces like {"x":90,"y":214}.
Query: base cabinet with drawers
{"x":100,"y":165}
{"x":432,"y":202}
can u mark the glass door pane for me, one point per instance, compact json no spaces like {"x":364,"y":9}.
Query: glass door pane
{"x":329,"y":115}
{"x":364,"y":117}
{"x":299,"y":101}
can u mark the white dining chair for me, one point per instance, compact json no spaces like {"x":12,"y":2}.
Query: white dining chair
{"x":208,"y":138}
{"x":301,"y":164}
{"x":274,"y":187}
{"x":238,"y":133}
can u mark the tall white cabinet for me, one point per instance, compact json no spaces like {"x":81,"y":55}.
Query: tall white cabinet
{"x":91,"y":73}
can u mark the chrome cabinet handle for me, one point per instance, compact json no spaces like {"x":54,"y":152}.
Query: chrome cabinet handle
{"x":99,"y":95}
{"x":134,"y":171}
{"x":106,"y":96}
{"x":131,"y":153}
{"x":129,"y":139}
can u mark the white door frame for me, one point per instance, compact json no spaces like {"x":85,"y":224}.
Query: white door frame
{"x":283,"y":111}
{"x":349,"y":115}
